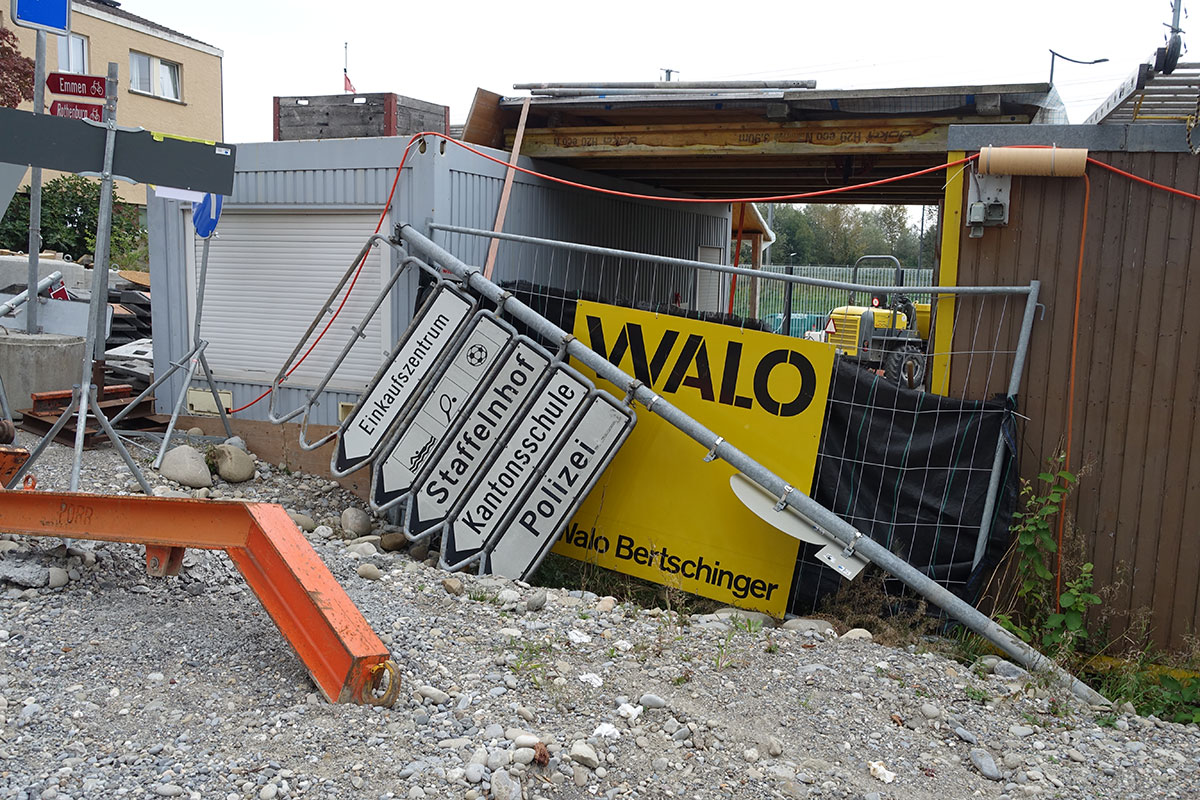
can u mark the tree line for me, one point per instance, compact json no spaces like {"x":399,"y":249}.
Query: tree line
{"x":839,"y":234}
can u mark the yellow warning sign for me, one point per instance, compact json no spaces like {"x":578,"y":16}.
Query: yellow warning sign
{"x":659,"y":511}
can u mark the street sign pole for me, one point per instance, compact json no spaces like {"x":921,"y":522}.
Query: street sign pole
{"x":96,"y":330}
{"x":104,"y":229}
{"x":35,"y":187}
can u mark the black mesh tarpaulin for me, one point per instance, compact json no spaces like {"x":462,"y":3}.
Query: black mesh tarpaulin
{"x":910,"y":469}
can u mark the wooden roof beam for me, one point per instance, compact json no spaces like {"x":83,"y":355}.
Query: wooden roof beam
{"x":744,"y":138}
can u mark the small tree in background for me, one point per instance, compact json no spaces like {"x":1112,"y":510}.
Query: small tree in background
{"x":16,"y":72}
{"x":70,"y":207}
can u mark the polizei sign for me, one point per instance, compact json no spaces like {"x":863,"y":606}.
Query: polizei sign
{"x":553,"y":496}
{"x":415,"y":359}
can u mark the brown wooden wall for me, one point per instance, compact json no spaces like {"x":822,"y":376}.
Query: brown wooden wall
{"x":1136,"y":442}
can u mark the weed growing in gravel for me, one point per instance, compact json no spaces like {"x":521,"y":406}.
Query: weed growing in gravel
{"x":1166,"y":685}
{"x":529,"y":660}
{"x":745,"y":624}
{"x":483,"y":596}
{"x":1034,"y":611}
{"x":772,"y":646}
{"x":868,"y":602}
{"x":724,"y":656}
{"x":1059,"y":708}
{"x":977,"y":695}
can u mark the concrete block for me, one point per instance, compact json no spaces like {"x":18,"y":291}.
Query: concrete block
{"x":42,"y":362}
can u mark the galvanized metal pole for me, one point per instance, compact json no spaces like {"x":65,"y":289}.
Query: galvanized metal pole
{"x":786,"y":84}
{"x":824,"y":519}
{"x":35,"y":185}
{"x":23,"y":297}
{"x":1014,"y":386}
{"x":98,"y":304}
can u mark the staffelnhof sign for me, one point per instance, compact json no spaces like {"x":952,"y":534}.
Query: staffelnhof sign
{"x":659,"y":511}
{"x":468,"y":446}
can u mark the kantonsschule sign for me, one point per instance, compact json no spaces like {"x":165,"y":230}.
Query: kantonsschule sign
{"x":659,"y":511}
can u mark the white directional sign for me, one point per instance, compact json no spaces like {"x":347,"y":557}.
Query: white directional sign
{"x":401,"y":460}
{"x":553,"y":497}
{"x":528,"y":445}
{"x":468,"y":446}
{"x":429,"y":337}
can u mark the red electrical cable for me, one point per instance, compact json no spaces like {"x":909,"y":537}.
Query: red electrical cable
{"x":632,"y":195}
{"x":1143,"y":181}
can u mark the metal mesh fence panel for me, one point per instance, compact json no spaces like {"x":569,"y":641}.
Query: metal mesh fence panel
{"x":928,"y":475}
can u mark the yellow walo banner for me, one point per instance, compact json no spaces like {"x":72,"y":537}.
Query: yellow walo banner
{"x":659,"y":511}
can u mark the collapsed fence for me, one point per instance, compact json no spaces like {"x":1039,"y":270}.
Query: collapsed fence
{"x":536,"y":303}
{"x":931,"y":477}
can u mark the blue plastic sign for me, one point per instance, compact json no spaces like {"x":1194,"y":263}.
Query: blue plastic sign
{"x":47,"y":15}
{"x":205,"y":215}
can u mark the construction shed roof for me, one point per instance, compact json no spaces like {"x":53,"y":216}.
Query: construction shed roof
{"x":743,"y":142}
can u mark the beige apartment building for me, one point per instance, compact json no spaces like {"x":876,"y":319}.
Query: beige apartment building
{"x":169,"y":82}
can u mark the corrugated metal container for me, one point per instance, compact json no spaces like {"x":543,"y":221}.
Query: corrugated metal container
{"x":1136,"y":438}
{"x":283,"y":248}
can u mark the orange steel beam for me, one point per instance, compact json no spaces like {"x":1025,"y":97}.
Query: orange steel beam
{"x":343,"y":655}
{"x":11,"y":459}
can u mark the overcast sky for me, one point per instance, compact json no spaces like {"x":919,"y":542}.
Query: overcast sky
{"x":441,"y":51}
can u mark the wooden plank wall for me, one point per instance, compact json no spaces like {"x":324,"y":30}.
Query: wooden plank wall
{"x":1136,"y":442}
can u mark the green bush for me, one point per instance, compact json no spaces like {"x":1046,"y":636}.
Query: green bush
{"x":70,"y":211}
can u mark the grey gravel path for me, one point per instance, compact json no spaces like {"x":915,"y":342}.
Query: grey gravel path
{"x":116,"y":685}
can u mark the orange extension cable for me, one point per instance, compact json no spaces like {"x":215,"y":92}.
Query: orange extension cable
{"x":1087,"y":196}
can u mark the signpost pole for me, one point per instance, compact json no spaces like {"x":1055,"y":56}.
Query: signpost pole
{"x":104,"y":229}
{"x":96,"y":330}
{"x":35,"y":187}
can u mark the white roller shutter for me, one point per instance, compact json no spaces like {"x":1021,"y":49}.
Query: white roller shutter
{"x":268,"y":276}
{"x":710,"y":294}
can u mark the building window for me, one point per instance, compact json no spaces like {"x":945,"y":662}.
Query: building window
{"x":72,"y":54}
{"x":154,"y":76}
{"x":168,"y":80}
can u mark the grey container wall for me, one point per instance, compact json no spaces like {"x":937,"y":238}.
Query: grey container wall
{"x":444,"y":184}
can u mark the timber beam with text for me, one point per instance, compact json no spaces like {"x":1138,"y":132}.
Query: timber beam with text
{"x":746,"y":138}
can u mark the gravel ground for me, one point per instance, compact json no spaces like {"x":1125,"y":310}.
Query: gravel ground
{"x":113,"y":684}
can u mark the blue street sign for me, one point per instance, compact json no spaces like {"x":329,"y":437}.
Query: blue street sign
{"x":205,"y":215}
{"x":47,"y":15}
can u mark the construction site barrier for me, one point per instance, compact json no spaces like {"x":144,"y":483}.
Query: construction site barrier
{"x":345,"y":658}
{"x":824,"y":520}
